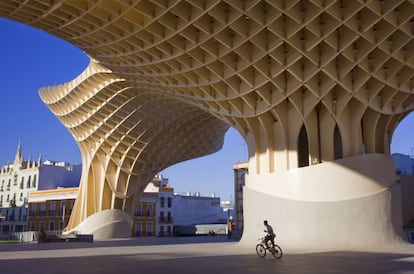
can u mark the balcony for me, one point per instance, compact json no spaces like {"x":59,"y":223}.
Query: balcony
{"x":165,"y":220}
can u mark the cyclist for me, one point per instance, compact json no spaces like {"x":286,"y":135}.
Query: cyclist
{"x":270,"y":235}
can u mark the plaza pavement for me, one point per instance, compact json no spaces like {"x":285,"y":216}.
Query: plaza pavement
{"x":214,"y":255}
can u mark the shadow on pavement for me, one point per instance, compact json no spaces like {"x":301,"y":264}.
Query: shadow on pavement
{"x":193,"y":259}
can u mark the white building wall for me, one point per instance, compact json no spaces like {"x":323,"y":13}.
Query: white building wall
{"x":19,"y":178}
{"x":53,"y":176}
{"x":404,"y":164}
{"x":190,"y":210}
{"x":164,"y":213}
{"x":15,"y":186}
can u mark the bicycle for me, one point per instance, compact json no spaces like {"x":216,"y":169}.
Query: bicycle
{"x":262,"y":248}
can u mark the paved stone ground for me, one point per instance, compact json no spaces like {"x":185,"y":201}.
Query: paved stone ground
{"x":192,"y":255}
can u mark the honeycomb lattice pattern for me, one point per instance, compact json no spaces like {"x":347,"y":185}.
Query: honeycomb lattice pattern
{"x":167,"y":78}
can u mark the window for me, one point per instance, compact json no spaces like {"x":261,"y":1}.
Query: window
{"x":162,"y":216}
{"x":34,"y":180}
{"x":52,"y":208}
{"x":162,"y":201}
{"x":22,"y":183}
{"x":169,"y":202}
{"x":138,"y":229}
{"x":138,"y":210}
{"x":150,"y":210}
{"x":14,"y":214}
{"x":149,"y":229}
{"x":11,"y":217}
{"x":43,"y":209}
{"x":5,"y":229}
{"x":52,"y":226}
{"x":32,"y":210}
{"x":28,"y":181}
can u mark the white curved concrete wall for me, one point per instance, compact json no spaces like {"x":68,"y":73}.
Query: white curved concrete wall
{"x":350,"y":203}
{"x":107,"y":224}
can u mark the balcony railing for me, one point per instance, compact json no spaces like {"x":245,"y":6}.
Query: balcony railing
{"x":165,"y":219}
{"x":144,"y":214}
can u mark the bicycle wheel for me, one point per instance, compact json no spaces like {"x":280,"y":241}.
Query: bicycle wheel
{"x":277,"y":251}
{"x":261,"y":250}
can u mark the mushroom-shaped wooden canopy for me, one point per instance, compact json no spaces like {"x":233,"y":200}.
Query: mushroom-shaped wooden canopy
{"x":303,"y":81}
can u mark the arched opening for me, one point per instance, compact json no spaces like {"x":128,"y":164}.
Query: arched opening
{"x":337,"y":144}
{"x":303,"y":148}
{"x":218,"y":178}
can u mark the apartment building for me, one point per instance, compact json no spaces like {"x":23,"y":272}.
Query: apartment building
{"x":153,"y":215}
{"x":49,"y":210}
{"x":19,"y":178}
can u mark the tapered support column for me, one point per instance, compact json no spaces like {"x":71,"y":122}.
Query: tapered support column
{"x":350,"y":203}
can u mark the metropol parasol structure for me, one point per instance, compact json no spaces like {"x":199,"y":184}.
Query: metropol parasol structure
{"x":315,"y":87}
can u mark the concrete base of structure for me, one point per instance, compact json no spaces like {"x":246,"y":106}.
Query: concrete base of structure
{"x":350,"y":203}
{"x":107,"y":224}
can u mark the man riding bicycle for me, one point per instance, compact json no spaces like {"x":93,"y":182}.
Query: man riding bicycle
{"x":270,"y":235}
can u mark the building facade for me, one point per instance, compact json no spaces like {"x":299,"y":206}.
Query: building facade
{"x":145,"y":220}
{"x":49,"y":210}
{"x":154,"y":212}
{"x":158,"y":212}
{"x":21,"y":177}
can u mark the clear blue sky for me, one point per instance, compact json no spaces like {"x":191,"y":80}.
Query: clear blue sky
{"x":31,"y":59}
